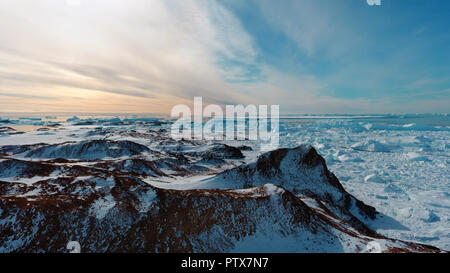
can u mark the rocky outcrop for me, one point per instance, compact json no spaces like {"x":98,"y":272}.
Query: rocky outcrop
{"x":124,"y":215}
{"x":302,"y":171}
{"x":12,"y":168}
{"x":4,"y":130}
{"x":218,"y":152}
{"x":94,"y":192}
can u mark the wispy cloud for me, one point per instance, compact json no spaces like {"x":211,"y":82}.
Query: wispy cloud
{"x":146,"y":49}
{"x":146,"y":56}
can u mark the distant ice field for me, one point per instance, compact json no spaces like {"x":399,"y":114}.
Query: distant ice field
{"x":399,"y":165}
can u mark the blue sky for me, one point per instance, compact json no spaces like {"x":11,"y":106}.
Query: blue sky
{"x":398,"y":51}
{"x":308,"y":56}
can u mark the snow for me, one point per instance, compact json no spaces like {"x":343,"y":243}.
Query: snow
{"x":102,"y":206}
{"x":374,"y":178}
{"x":60,"y":135}
{"x":413,"y":156}
{"x":373,"y":146}
{"x":147,"y":199}
{"x":73,"y":119}
{"x":404,"y":174}
{"x":269,"y":190}
{"x":27,"y":181}
{"x":276,"y":243}
{"x":398,"y":164}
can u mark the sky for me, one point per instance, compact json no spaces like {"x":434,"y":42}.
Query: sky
{"x":308,"y":56}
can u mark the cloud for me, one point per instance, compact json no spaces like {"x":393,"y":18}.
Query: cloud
{"x":147,"y":49}
{"x":17,"y":95}
{"x":146,"y":56}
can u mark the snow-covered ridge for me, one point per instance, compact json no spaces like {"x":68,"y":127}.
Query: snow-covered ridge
{"x":88,"y":150}
{"x":126,"y":216}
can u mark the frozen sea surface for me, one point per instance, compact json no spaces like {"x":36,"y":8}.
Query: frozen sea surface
{"x":398,"y":164}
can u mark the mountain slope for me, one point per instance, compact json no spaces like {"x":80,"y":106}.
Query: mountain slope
{"x":110,"y":192}
{"x":127,"y":216}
